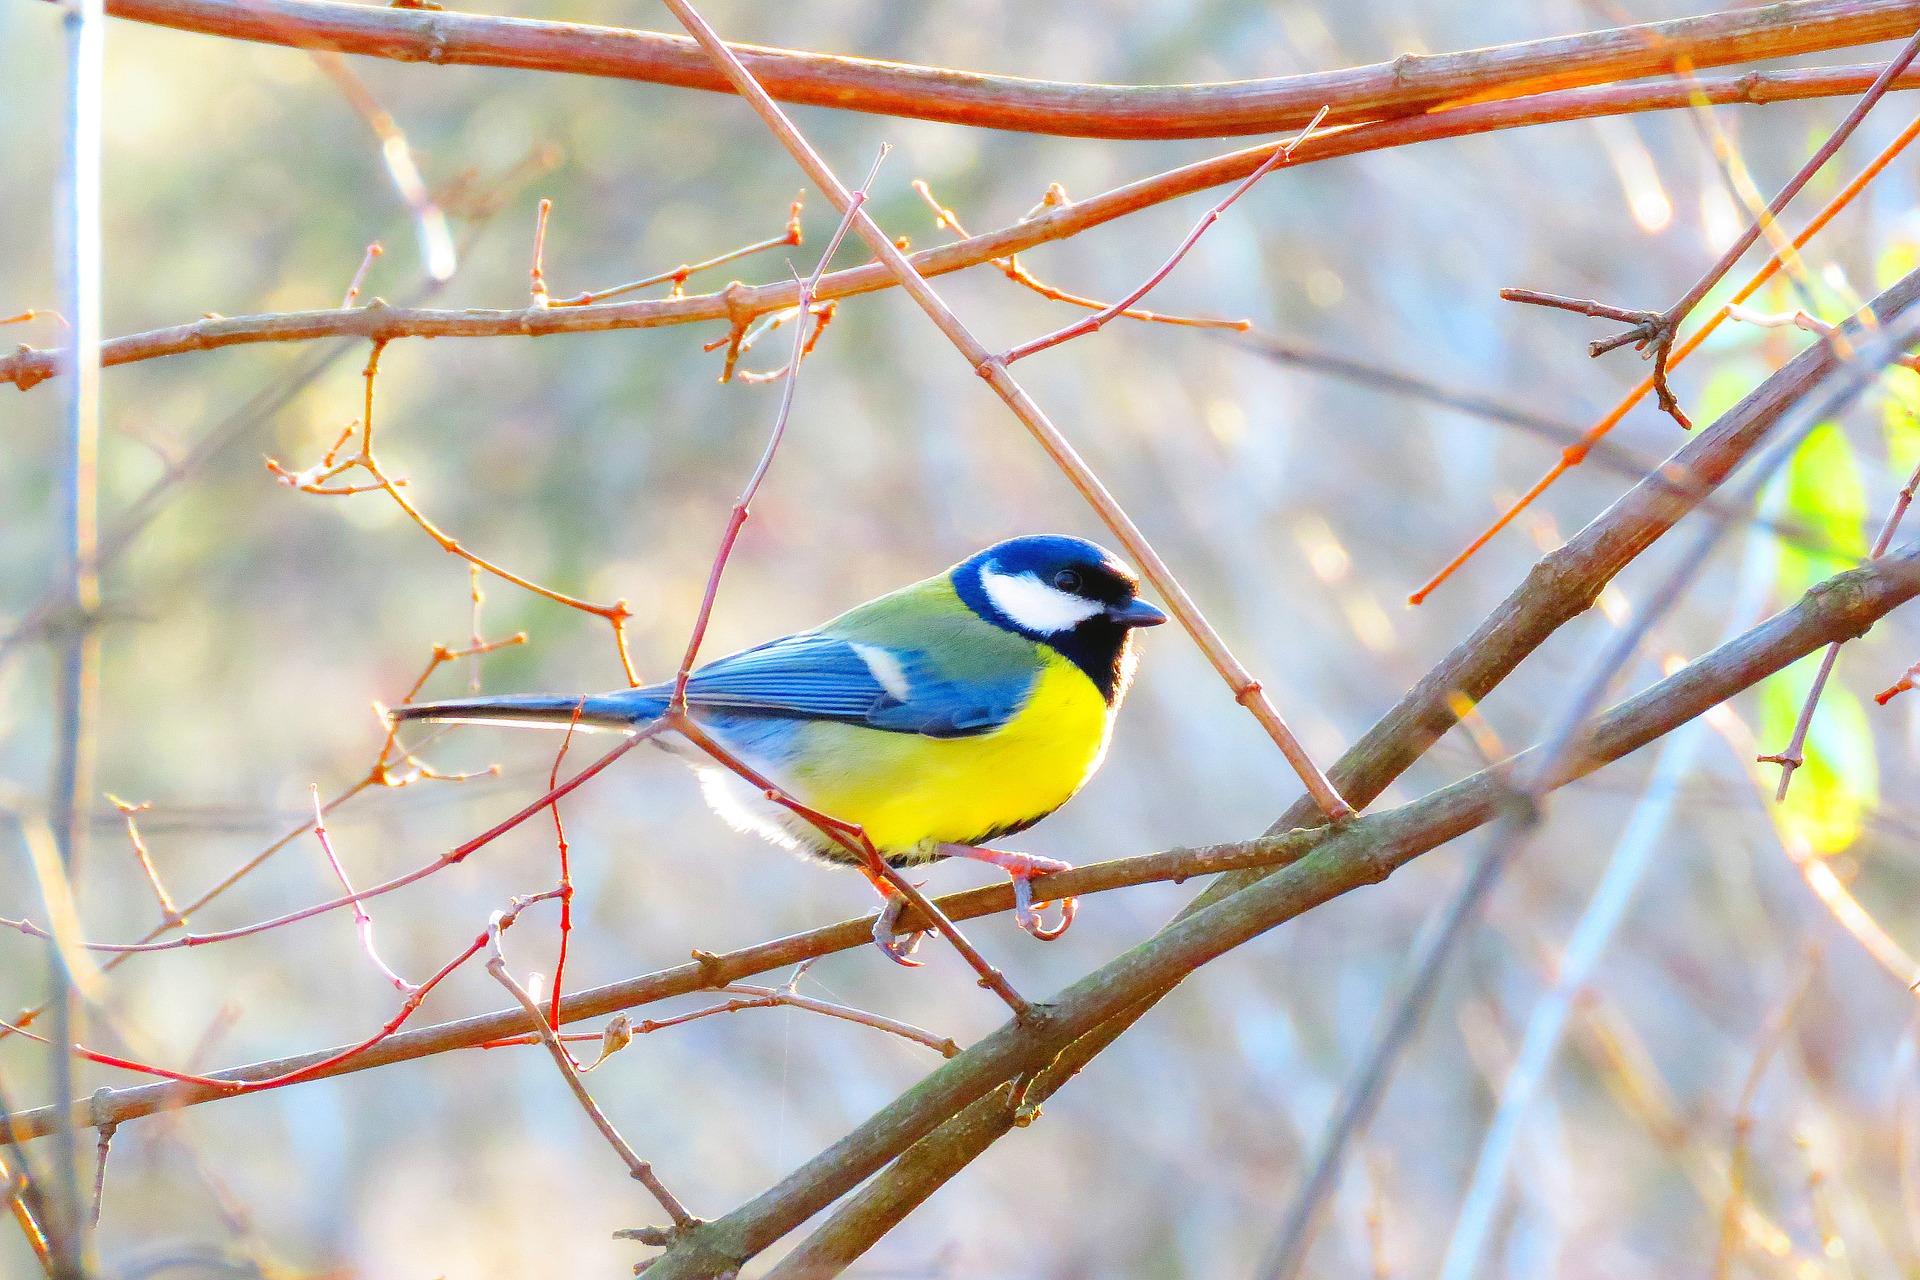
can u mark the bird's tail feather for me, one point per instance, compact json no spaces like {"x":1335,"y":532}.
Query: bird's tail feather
{"x":620,"y":712}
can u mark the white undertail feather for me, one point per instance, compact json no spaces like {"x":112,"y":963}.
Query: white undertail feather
{"x":1033,"y":605}
{"x":746,"y":809}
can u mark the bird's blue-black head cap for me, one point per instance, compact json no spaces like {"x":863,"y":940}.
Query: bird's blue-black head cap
{"x":1065,"y":592}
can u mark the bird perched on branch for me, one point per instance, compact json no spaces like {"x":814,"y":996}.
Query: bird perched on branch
{"x":934,"y":719}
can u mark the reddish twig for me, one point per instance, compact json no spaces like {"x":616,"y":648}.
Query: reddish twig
{"x":848,"y":835}
{"x":1281,"y":155}
{"x":453,"y":856}
{"x":1404,"y":86}
{"x":331,"y":1062}
{"x":30,"y":367}
{"x":945,"y":219}
{"x":33,"y":313}
{"x":1660,"y":329}
{"x":362,"y":918}
{"x":170,"y":915}
{"x":641,"y":1171}
{"x":537,"y":278}
{"x":621,"y":1029}
{"x":374,"y":250}
{"x":1655,"y":331}
{"x":790,"y":237}
{"x":566,"y":868}
{"x":1246,"y":690}
{"x":316,"y":480}
{"x":379,"y":775}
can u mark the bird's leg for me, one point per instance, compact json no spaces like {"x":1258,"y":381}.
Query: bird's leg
{"x":898,"y":949}
{"x":1023,"y":867}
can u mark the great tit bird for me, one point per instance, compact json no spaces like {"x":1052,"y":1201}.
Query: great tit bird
{"x":938,"y":717}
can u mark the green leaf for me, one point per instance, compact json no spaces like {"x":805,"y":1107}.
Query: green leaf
{"x":1840,"y":781}
{"x":1900,"y":418}
{"x":1825,"y":496}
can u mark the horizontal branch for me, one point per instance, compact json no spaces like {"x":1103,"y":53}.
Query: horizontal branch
{"x":706,"y":973}
{"x":1838,"y":609}
{"x":381,"y":322}
{"x":1407,"y":85}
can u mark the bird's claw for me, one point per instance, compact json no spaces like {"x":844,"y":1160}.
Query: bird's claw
{"x":897,"y":947}
{"x":1031,"y":920}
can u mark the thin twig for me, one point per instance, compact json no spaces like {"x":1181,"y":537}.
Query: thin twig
{"x":1575,"y":454}
{"x":641,"y":1171}
{"x":362,"y":918}
{"x":374,"y":250}
{"x":790,"y":237}
{"x":1360,"y":1098}
{"x":1771,"y":1033}
{"x":944,"y":218}
{"x":1088,"y":324}
{"x":1660,"y":329}
{"x":1794,"y":755}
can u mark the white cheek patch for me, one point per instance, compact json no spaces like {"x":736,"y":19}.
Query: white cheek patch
{"x":886,"y":669}
{"x":1034,"y":606}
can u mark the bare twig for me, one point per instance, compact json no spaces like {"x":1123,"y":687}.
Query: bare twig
{"x":1360,"y":1098}
{"x":374,"y":250}
{"x":1282,"y":154}
{"x":639,"y":1169}
{"x":1010,"y":266}
{"x":1360,"y":853}
{"x":1771,"y":1033}
{"x":1561,"y":587}
{"x":362,"y":919}
{"x":1659,"y":330}
{"x":678,"y":276}
{"x":1794,"y":755}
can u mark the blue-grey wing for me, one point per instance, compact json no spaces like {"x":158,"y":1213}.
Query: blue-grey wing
{"x":821,"y":677}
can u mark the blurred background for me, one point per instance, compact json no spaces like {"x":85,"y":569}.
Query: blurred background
{"x":253,"y":627}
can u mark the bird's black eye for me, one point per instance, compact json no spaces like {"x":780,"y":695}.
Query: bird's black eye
{"x":1068,"y":581}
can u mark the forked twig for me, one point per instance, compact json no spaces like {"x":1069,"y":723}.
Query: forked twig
{"x":1282,"y":154}
{"x":641,"y":1171}
{"x":945,"y":218}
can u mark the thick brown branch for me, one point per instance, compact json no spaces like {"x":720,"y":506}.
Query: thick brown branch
{"x":1560,"y":587}
{"x":1362,"y":852}
{"x":378,"y":321}
{"x":1409,"y":84}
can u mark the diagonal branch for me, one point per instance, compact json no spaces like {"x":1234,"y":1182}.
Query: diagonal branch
{"x":1362,"y":852}
{"x":1559,"y":588}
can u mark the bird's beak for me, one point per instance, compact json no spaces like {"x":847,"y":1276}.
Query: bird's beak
{"x":1136,"y":613}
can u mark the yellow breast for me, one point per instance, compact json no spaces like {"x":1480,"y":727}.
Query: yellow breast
{"x":910,"y":792}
